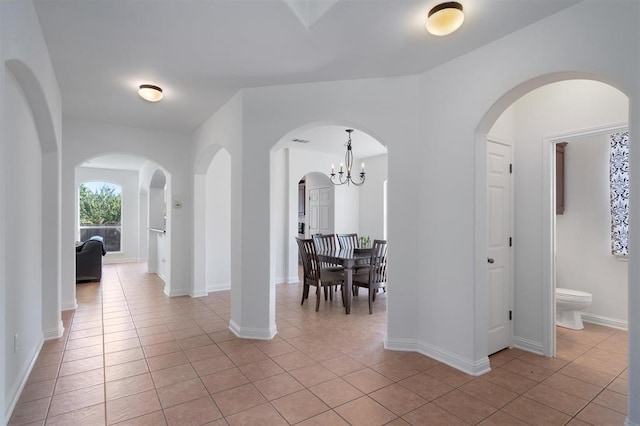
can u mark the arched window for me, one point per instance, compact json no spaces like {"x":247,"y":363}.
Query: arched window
{"x":100,"y":213}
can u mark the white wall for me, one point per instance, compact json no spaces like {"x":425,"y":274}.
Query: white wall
{"x":280,"y":208}
{"x":84,"y":140}
{"x":383,"y":108}
{"x":130,"y":231}
{"x":29,"y":161}
{"x":23,"y":273}
{"x":504,"y":129}
{"x":223,"y":130}
{"x":552,"y":110}
{"x":437,"y":217}
{"x":371,"y":220}
{"x":583,"y":233}
{"x":218,"y":220}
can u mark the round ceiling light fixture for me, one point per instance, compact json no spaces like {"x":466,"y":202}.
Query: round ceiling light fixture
{"x":445,"y":18}
{"x":150,"y":93}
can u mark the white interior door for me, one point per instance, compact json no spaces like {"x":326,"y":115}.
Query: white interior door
{"x":499,"y":245}
{"x":326,"y":208}
{"x":314,"y":212}
{"x":320,"y":211}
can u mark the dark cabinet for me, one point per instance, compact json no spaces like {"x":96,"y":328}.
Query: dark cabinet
{"x":301,"y":188}
{"x":560,"y":151}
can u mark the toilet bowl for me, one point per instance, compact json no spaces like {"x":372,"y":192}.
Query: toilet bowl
{"x":569,"y":303}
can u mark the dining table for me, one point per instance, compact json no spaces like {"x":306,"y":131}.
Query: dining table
{"x":348,"y":258}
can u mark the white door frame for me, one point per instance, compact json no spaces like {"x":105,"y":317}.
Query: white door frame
{"x":549,"y":227}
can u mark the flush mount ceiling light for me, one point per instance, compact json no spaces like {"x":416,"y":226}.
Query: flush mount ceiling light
{"x":445,"y":18}
{"x":150,"y":93}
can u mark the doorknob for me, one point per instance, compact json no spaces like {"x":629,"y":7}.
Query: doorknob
{"x":490,"y":260}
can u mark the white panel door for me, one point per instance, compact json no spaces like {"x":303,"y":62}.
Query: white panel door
{"x":314,"y":212}
{"x":326,"y":207}
{"x":498,"y":245}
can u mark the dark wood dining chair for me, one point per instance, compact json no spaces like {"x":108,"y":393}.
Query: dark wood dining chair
{"x":351,"y":241}
{"x":348,"y":241}
{"x":374,"y":276}
{"x":314,"y":274}
{"x":327,"y":242}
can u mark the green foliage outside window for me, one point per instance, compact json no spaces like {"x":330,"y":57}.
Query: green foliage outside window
{"x":100,"y":207}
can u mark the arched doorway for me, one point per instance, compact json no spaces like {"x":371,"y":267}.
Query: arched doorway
{"x":310,"y":151}
{"x":546,"y":108}
{"x":30,"y":262}
{"x":146,"y":212}
{"x":212,"y":222}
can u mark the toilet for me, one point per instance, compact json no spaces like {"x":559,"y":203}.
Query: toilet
{"x":569,"y":303}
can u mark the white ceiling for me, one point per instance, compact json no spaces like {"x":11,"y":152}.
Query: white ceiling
{"x":203,"y":52}
{"x":332,"y":139}
{"x":116,"y":162}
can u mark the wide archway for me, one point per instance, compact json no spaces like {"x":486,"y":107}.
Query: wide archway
{"x":532,"y":118}
{"x":309,"y":152}
{"x":147,"y":209}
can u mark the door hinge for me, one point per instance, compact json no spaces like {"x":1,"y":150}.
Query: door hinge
{"x":511,"y":168}
{"x":510,"y":242}
{"x":510,"y":315}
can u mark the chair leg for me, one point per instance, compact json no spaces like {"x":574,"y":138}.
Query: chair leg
{"x":305,"y":293}
{"x":371,"y":296}
{"x":325,"y":293}
{"x":318,"y":298}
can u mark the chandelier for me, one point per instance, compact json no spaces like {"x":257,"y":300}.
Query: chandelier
{"x":343,"y":178}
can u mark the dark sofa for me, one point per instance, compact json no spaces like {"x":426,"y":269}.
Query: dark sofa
{"x":89,"y":259}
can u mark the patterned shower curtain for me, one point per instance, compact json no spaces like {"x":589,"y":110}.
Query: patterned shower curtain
{"x":619,"y":177}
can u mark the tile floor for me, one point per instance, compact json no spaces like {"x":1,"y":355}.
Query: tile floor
{"x":131,"y":355}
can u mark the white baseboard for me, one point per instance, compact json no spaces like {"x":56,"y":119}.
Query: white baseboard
{"x":54,"y":333}
{"x":219,"y":287}
{"x":15,"y":392}
{"x":71,"y":307}
{"x":108,"y":260}
{"x":606,"y":321}
{"x":528,"y":345}
{"x":628,"y":422}
{"x":252,"y":333}
{"x":198,"y":293}
{"x":177,"y":292}
{"x":288,"y":280}
{"x":473,"y":368}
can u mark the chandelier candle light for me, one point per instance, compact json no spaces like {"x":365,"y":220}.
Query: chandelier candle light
{"x":348,"y":161}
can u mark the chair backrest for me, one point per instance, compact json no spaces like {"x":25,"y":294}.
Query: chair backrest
{"x":378,"y":262}
{"x":348,"y":241}
{"x":326,"y":242}
{"x":310,"y":265}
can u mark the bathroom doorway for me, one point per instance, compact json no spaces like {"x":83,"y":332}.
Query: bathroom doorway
{"x":582,"y":227}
